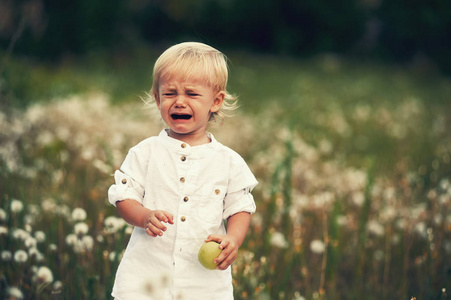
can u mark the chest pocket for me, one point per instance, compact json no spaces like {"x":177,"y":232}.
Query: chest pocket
{"x":210,"y":204}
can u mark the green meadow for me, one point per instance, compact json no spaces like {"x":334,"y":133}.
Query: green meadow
{"x":353,"y":160}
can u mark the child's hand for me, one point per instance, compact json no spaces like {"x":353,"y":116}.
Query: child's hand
{"x":229,"y":246}
{"x":153,"y":222}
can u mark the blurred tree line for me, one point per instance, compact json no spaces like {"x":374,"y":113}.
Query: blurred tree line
{"x":397,"y":30}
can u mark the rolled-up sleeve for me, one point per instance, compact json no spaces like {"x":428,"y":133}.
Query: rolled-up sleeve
{"x":129,"y":180}
{"x":241,"y":183}
{"x":124,"y":188}
{"x":240,"y":201}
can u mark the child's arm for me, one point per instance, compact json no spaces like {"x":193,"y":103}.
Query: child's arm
{"x":137,"y":215}
{"x":237,"y":226}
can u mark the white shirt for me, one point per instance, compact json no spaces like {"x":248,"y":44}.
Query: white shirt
{"x":200,"y":186}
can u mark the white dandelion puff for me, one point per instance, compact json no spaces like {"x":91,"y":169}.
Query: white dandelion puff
{"x":20,"y":256}
{"x":20,"y":234}
{"x":15,"y":293}
{"x":6,"y":255}
{"x":87,"y":242}
{"x":44,"y":275}
{"x":376,"y":228}
{"x":4,"y":230}
{"x":30,"y":242}
{"x":71,"y":239}
{"x":3,"y":215}
{"x":81,"y":228}
{"x":16,"y":206}
{"x":317,"y":246}
{"x":39,"y":236}
{"x":57,"y":286}
{"x":113,"y":224}
{"x":278,"y":240}
{"x":78,"y":214}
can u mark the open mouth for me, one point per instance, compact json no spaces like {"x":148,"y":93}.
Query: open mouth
{"x":181,"y":116}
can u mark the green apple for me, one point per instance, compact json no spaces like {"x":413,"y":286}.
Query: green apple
{"x":207,"y":253}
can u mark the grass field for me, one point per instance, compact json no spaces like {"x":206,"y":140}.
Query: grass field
{"x":353,"y":160}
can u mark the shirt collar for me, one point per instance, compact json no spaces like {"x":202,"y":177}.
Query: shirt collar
{"x":180,"y":146}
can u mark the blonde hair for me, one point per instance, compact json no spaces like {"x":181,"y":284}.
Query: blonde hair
{"x":195,"y":60}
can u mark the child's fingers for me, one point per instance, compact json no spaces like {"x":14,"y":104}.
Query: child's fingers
{"x":214,"y":237}
{"x":168,"y":217}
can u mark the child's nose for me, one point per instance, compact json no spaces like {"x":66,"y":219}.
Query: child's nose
{"x":180,"y":101}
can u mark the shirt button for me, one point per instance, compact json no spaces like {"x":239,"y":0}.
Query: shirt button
{"x":183,"y":145}
{"x":124,"y":181}
{"x":186,"y":199}
{"x":182,"y":179}
{"x":183,"y":158}
{"x":183,"y":219}
{"x":217,"y":192}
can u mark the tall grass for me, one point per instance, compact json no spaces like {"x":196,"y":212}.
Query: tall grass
{"x":354,"y":165}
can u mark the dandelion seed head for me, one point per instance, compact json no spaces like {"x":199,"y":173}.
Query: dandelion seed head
{"x":421,"y":229}
{"x":53,"y":247}
{"x":48,"y":205}
{"x":113,"y":224}
{"x":30,"y":242}
{"x":297,"y":296}
{"x":376,"y":228}
{"x":20,"y":256}
{"x":14,"y":293}
{"x":88,"y":242}
{"x":6,"y":255}
{"x":3,"y":215}
{"x":317,"y":246}
{"x":44,"y":275}
{"x":16,"y":206}
{"x":358,"y":198}
{"x":39,"y":236}
{"x":20,"y":234}
{"x":57,"y":286}
{"x":78,"y":214}
{"x":71,"y":239}
{"x":81,"y":228}
{"x":278,"y":240}
{"x":3,"y":230}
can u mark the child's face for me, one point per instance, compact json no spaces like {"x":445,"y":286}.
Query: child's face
{"x":186,"y":105}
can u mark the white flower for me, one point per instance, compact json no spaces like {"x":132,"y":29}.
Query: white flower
{"x":48,"y":205}
{"x":53,"y":247}
{"x":44,"y":274}
{"x":16,"y":206}
{"x":40,"y":236}
{"x":87,"y":242}
{"x":20,"y":256}
{"x":3,"y":230}
{"x":376,"y":228}
{"x":71,"y":239}
{"x":81,"y":228}
{"x":358,"y":198}
{"x":3,"y":215}
{"x":30,"y":242}
{"x":113,"y":224}
{"x":278,"y":240}
{"x":317,"y":246}
{"x":57,"y":285}
{"x":297,"y":296}
{"x":6,"y":255}
{"x":15,"y":293}
{"x":78,"y":214}
{"x":20,"y":234}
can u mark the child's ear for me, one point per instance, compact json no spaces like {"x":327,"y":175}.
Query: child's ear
{"x":217,"y":102}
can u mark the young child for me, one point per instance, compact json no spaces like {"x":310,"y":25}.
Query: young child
{"x":177,"y":188}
